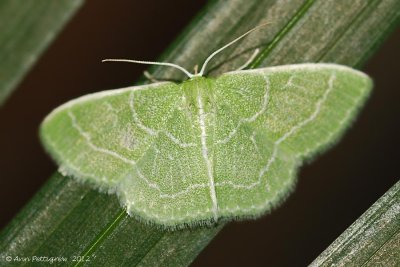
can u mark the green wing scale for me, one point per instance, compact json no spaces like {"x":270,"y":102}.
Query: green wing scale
{"x":206,"y":149}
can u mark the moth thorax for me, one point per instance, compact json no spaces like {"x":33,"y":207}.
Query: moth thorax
{"x":199,"y":90}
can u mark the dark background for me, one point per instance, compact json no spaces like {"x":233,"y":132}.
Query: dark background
{"x":331,"y":193}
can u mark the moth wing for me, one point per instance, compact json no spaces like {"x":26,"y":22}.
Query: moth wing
{"x":309,"y":106}
{"x":271,"y":119}
{"x":141,"y":143}
{"x":98,"y":138}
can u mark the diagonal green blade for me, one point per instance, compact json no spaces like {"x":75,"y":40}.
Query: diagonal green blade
{"x":26,"y":29}
{"x":372,"y":240}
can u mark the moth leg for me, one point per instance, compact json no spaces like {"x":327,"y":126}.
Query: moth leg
{"x":149,"y":76}
{"x":247,"y":63}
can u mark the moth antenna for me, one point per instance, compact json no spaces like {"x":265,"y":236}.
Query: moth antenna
{"x":201,"y":73}
{"x":190,"y":75}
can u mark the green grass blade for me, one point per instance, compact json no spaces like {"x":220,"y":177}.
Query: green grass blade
{"x":83,"y":222}
{"x":372,"y":240}
{"x":70,"y":219}
{"x":26,"y":29}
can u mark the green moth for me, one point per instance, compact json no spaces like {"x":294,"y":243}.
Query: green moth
{"x":207,"y":149}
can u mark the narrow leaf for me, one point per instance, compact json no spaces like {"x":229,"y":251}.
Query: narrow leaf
{"x":26,"y":29}
{"x":372,"y":240}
